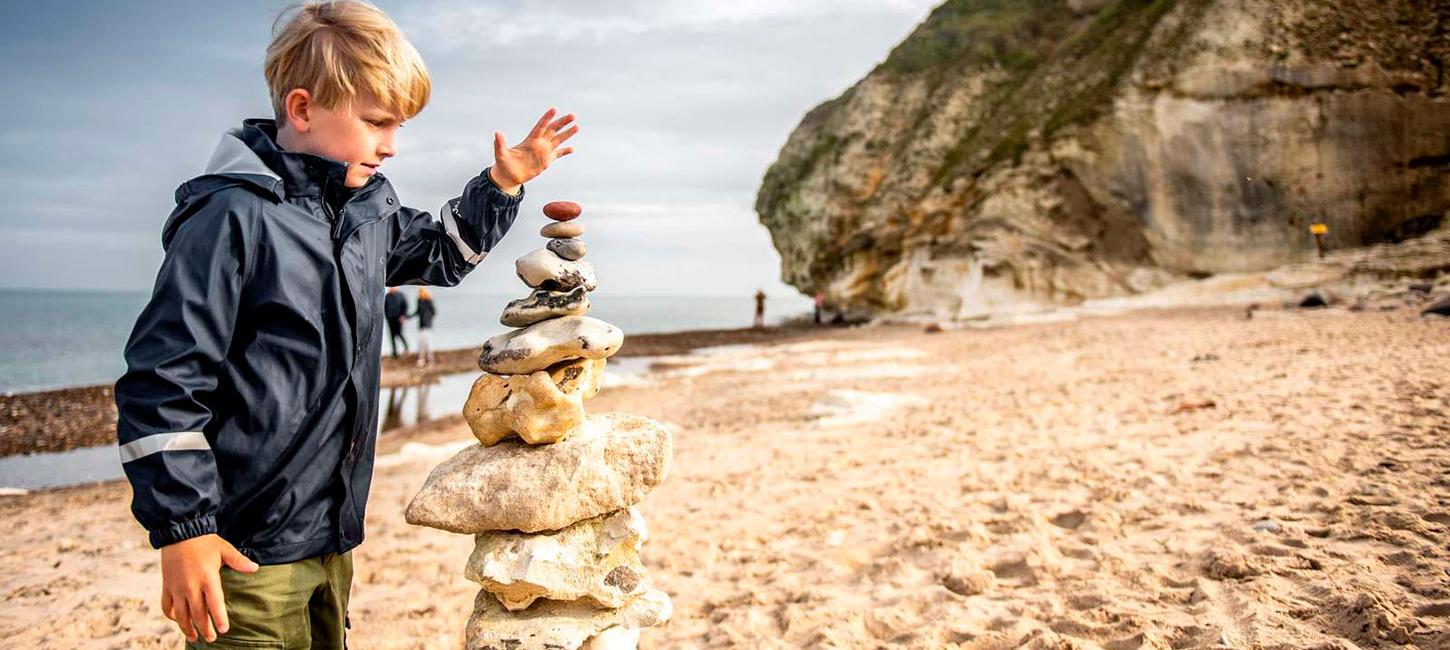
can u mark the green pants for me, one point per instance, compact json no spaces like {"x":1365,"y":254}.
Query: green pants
{"x":298,"y":605}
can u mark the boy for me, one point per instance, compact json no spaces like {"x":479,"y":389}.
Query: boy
{"x":248,"y":412}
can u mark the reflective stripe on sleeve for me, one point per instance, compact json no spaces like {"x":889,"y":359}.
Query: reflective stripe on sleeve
{"x":179,"y":441}
{"x":449,"y":214}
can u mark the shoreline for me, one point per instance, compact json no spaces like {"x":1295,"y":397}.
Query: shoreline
{"x":64,"y":419}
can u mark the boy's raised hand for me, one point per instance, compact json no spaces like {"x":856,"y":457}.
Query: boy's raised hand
{"x":191,"y":588}
{"x":516,"y":165}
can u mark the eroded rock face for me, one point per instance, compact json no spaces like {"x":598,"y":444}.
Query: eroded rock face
{"x":541,"y":407}
{"x":546,"y":343}
{"x":609,"y":464}
{"x":1113,"y":148}
{"x":596,"y":558}
{"x":555,"y":625}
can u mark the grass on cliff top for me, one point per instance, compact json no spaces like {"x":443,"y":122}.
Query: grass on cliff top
{"x":1071,"y":82}
{"x":1013,"y":34}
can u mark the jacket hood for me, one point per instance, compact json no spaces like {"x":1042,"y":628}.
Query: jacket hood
{"x":248,"y":156}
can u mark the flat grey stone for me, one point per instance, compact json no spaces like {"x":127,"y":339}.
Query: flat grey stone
{"x":569,"y":248}
{"x":542,"y":305}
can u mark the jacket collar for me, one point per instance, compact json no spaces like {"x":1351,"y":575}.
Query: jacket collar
{"x":301,"y":174}
{"x":250,"y":154}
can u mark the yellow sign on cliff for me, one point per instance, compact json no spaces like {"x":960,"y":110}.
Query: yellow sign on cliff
{"x":1318,"y":229}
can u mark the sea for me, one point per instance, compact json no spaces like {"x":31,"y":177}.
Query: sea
{"x":58,"y":339}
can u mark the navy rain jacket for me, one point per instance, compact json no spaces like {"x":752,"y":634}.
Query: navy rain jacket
{"x":249,"y":407}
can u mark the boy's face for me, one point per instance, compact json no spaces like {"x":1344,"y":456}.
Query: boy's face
{"x":360,"y":135}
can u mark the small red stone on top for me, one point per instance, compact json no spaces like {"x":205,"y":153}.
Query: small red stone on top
{"x":562,"y":210}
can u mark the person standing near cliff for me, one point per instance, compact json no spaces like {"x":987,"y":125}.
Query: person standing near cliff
{"x":759,"y":308}
{"x":395,"y":310}
{"x":425,"y":313}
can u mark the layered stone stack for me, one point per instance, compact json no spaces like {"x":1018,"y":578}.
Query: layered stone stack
{"x":549,"y":490}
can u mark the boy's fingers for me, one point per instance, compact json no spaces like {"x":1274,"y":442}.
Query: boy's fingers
{"x":499,"y":144}
{"x":238,"y":562}
{"x":564,"y":152}
{"x":199,"y":618}
{"x":560,"y":138}
{"x":539,"y":126}
{"x":216,"y":606}
{"x":166,"y":605}
{"x":183,"y":619}
{"x":561,"y":122}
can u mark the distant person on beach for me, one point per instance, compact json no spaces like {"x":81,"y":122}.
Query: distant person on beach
{"x":395,"y":310}
{"x":759,"y":308}
{"x":248,"y":413}
{"x":820,"y":302}
{"x":425,"y":313}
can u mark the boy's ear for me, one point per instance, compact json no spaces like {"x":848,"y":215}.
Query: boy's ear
{"x":298,"y":104}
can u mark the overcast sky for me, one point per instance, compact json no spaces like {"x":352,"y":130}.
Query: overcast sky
{"x":682,"y":104}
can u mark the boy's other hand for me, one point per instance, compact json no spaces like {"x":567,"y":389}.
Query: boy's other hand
{"x":519,"y":164}
{"x":191,"y":588}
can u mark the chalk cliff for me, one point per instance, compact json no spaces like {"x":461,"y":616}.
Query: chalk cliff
{"x":1010,"y":155}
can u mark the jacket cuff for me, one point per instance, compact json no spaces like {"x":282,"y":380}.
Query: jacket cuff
{"x":204,"y":525}
{"x":503,"y":197}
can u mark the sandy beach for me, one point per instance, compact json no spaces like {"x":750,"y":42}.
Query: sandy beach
{"x":1159,"y":479}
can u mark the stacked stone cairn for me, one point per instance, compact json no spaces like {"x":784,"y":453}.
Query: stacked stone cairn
{"x":549,"y":491}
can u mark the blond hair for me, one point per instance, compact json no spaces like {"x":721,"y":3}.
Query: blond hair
{"x":341,"y":51}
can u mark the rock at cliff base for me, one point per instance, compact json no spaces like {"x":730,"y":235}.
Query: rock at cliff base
{"x":557,"y":625}
{"x":546,"y":343}
{"x":610,"y":463}
{"x":597,"y":558}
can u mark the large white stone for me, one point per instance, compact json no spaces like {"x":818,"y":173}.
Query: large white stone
{"x":546,"y":343}
{"x":558,"y":625}
{"x":542,"y":269}
{"x":542,"y":407}
{"x":597,"y":558}
{"x":609,"y":464}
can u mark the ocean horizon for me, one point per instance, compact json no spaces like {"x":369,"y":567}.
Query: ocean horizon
{"x":61,"y":338}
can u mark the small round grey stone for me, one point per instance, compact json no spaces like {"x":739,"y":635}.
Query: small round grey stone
{"x":569,"y":248}
{"x":562,"y":229}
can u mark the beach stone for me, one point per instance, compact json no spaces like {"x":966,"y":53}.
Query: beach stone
{"x":614,"y":638}
{"x":546,"y":343}
{"x":1440,"y":307}
{"x":568,"y":248}
{"x":542,"y":269}
{"x":562,"y":229}
{"x":596,"y":558}
{"x":541,"y":407}
{"x":543,"y":305}
{"x":609,"y":464}
{"x":562,"y":210}
{"x":558,"y":625}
